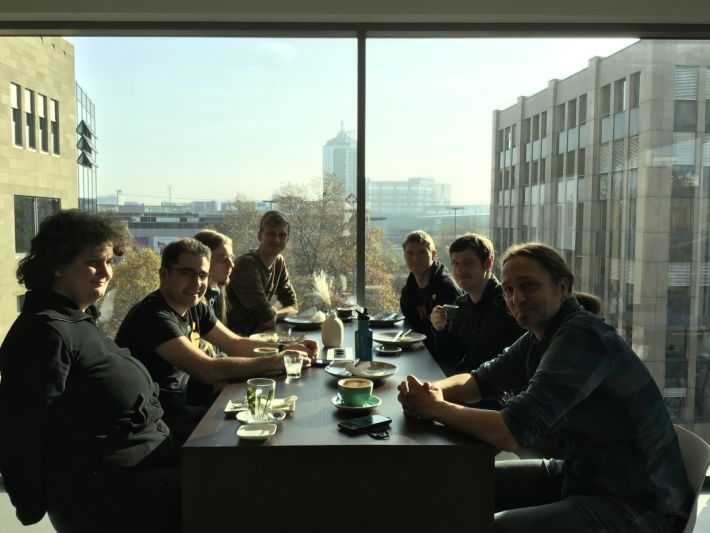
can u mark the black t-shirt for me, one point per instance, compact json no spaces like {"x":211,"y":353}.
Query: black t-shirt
{"x":150,"y":323}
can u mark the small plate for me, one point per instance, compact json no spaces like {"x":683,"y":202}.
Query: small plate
{"x":302,"y":323}
{"x":276,"y":417}
{"x":374,"y":401}
{"x":384,"y":321}
{"x":337,"y":369}
{"x":260,"y":431}
{"x":388,"y":351}
{"x":373,"y":369}
{"x":387,"y":338}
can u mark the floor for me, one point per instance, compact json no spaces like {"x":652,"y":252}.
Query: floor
{"x":9,"y":524}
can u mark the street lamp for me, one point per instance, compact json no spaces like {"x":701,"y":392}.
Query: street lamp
{"x":455,"y":209}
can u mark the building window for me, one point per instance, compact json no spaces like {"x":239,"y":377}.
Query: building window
{"x":30,"y":119}
{"x":54,"y":126}
{"x":30,"y":211}
{"x":42,"y":122}
{"x":16,"y":114}
{"x":685,"y":115}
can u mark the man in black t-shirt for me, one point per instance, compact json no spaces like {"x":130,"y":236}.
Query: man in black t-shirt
{"x":164,"y":329}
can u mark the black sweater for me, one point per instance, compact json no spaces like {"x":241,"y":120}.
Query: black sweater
{"x":69,"y":399}
{"x":479,"y":331}
{"x":416,"y":304}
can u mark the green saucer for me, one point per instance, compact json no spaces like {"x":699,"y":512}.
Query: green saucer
{"x":373,"y":401}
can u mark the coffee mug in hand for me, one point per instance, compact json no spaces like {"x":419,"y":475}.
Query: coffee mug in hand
{"x":450,"y":311}
{"x":354,"y":392}
{"x":293,"y":363}
{"x":260,"y":394}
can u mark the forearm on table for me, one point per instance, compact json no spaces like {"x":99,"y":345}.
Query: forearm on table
{"x":461,"y":388}
{"x":483,"y":424}
{"x":227,"y":368}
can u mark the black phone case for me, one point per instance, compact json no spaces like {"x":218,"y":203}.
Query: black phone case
{"x":372,"y":428}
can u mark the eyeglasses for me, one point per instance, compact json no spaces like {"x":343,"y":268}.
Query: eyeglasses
{"x":189,"y":273}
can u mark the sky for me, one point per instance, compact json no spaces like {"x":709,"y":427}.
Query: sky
{"x":210,"y":118}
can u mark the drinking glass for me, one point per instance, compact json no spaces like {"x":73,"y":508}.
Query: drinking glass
{"x":293,"y":363}
{"x":260,"y":394}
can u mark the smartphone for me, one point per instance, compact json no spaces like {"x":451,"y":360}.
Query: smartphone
{"x":320,"y":363}
{"x":365,"y":424}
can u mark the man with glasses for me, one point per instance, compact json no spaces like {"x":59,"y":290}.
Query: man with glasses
{"x":482,"y":326}
{"x":164,"y":330}
{"x":258,"y":276}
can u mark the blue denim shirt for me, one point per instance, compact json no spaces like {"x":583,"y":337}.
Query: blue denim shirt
{"x":586,"y":387}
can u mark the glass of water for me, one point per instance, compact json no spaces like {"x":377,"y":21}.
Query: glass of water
{"x":293,"y":361}
{"x":260,"y":394}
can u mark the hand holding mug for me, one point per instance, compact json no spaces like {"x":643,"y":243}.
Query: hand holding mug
{"x":438,"y":318}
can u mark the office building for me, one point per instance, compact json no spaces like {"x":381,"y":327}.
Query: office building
{"x":340,"y":160}
{"x":416,"y":195}
{"x":86,"y":151}
{"x":612,"y":167}
{"x":38,"y":173}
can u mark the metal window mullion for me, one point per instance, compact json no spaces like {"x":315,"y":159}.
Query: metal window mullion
{"x":361,"y":185}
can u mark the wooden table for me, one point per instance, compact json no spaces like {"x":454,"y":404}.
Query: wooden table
{"x":312,"y":477}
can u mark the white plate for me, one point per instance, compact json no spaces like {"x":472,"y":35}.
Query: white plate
{"x":303,"y":323}
{"x":258,"y":431}
{"x":383,"y":320}
{"x":387,"y":338}
{"x":276,"y":417}
{"x":373,"y":402}
{"x":388,"y":351}
{"x":364,"y":369}
{"x":337,"y":369}
{"x":278,"y":337}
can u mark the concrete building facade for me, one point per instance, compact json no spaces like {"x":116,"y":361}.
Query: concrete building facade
{"x":612,"y":167}
{"x":37,"y":149}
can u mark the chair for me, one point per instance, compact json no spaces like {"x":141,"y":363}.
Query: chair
{"x":696,"y":456}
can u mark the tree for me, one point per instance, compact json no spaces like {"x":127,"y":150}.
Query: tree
{"x":323,"y":239}
{"x":134,"y":278}
{"x":242,"y":225}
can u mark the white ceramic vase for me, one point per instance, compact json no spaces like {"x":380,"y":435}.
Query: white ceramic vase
{"x":332,"y":331}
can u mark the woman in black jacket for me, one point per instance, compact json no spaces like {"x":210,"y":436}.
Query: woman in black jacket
{"x":82,"y":434}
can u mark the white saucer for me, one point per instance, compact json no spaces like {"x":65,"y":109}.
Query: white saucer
{"x":276,"y":417}
{"x":258,"y":431}
{"x":374,"y":401}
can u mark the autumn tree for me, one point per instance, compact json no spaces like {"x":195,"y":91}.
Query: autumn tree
{"x":322,"y":239}
{"x":134,"y":277}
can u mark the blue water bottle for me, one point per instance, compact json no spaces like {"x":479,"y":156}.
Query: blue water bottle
{"x":363,"y":337}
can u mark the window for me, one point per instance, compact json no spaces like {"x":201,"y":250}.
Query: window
{"x":30,"y":211}
{"x":42,"y":116}
{"x":685,"y":115}
{"x":30,"y":119}
{"x":16,"y":114}
{"x":620,"y":96}
{"x":54,"y":126}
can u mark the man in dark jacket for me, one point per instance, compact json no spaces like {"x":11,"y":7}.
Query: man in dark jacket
{"x":428,"y":284}
{"x":482,"y":327}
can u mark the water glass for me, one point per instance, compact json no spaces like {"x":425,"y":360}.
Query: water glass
{"x":293,"y":361}
{"x":260,"y":394}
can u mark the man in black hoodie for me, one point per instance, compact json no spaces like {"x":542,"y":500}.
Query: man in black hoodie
{"x":428,"y":284}
{"x":482,"y":327}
